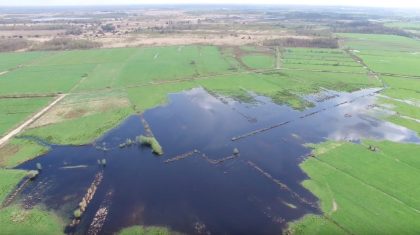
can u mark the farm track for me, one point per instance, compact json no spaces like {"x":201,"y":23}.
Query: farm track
{"x":32,"y":119}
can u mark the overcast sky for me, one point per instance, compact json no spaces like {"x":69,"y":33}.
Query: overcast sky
{"x":374,"y":3}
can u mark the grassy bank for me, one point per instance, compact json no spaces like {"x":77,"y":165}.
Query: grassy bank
{"x":18,"y":151}
{"x":8,"y":180}
{"x":16,"y":220}
{"x":81,"y":130}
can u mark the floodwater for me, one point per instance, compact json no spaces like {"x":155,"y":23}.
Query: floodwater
{"x":257,"y":192}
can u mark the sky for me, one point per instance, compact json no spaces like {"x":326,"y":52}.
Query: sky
{"x":371,"y":3}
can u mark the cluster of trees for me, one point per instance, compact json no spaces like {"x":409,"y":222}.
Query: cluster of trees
{"x":66,"y":44}
{"x":74,"y":31}
{"x":321,"y":42}
{"x":366,"y":27}
{"x":108,"y":28}
{"x":13,"y":44}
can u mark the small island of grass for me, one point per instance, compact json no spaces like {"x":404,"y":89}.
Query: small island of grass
{"x":152,"y":142}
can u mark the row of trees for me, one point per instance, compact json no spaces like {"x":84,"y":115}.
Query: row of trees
{"x":322,"y":42}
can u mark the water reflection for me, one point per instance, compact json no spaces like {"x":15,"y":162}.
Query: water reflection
{"x":255,"y":193}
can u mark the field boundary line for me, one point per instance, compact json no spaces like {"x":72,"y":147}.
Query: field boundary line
{"x":27,"y":96}
{"x":370,"y":72}
{"x":32,"y":119}
{"x":278,"y":58}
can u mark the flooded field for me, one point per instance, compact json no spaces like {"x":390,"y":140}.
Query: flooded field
{"x":200,"y":185}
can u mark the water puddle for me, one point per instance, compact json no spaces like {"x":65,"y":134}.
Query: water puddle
{"x":201,"y":185}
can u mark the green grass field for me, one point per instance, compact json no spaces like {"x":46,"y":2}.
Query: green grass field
{"x":16,"y":220}
{"x":395,"y":56}
{"x":18,"y":151}
{"x":8,"y":180}
{"x":15,"y":111}
{"x":81,"y":130}
{"x":331,"y":60}
{"x":146,"y":76}
{"x":363,"y":192}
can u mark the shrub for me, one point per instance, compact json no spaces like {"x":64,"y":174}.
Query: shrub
{"x":108,"y":28}
{"x":74,"y":31}
{"x":77,"y":213}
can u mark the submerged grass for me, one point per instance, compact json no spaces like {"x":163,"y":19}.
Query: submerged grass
{"x":143,"y":230}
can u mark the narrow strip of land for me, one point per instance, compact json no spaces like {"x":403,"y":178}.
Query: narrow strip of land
{"x":278,"y":58}
{"x":30,"y":120}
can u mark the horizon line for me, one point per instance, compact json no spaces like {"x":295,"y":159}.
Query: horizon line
{"x":214,"y":4}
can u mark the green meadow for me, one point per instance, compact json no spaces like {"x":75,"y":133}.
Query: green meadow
{"x":362,"y":191}
{"x":15,"y":111}
{"x":395,"y":59}
{"x":147,"y":75}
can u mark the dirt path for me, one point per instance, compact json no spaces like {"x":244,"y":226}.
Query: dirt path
{"x":30,"y":120}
